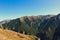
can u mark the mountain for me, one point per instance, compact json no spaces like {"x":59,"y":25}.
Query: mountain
{"x":11,"y":35}
{"x":42,"y":26}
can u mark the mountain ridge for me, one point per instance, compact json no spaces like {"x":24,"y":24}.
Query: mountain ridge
{"x":35,"y":25}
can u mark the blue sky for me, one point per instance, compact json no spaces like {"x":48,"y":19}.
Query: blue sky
{"x":10,"y":9}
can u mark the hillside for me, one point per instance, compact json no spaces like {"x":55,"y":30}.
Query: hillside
{"x":44,"y":25}
{"x":11,"y":35}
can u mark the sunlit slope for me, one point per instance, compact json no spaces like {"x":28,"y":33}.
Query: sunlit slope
{"x":10,"y":35}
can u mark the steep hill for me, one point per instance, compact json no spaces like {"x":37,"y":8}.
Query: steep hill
{"x":29,"y":24}
{"x":44,"y":25}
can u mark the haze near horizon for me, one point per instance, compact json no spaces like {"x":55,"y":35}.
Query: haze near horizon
{"x":11,"y":9}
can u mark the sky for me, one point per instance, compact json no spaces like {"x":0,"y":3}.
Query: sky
{"x":11,"y":9}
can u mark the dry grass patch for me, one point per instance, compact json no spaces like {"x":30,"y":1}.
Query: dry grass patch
{"x":11,"y":35}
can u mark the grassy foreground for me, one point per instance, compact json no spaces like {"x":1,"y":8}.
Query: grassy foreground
{"x":11,"y":35}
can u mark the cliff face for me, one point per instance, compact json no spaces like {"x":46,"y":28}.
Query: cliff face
{"x":35,"y":25}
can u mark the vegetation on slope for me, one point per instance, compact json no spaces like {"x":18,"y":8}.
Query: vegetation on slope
{"x":35,"y":25}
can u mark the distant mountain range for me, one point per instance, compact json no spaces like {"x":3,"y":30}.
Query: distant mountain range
{"x":45,"y":27}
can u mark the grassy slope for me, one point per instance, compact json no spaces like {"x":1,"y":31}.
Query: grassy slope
{"x":11,"y":35}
